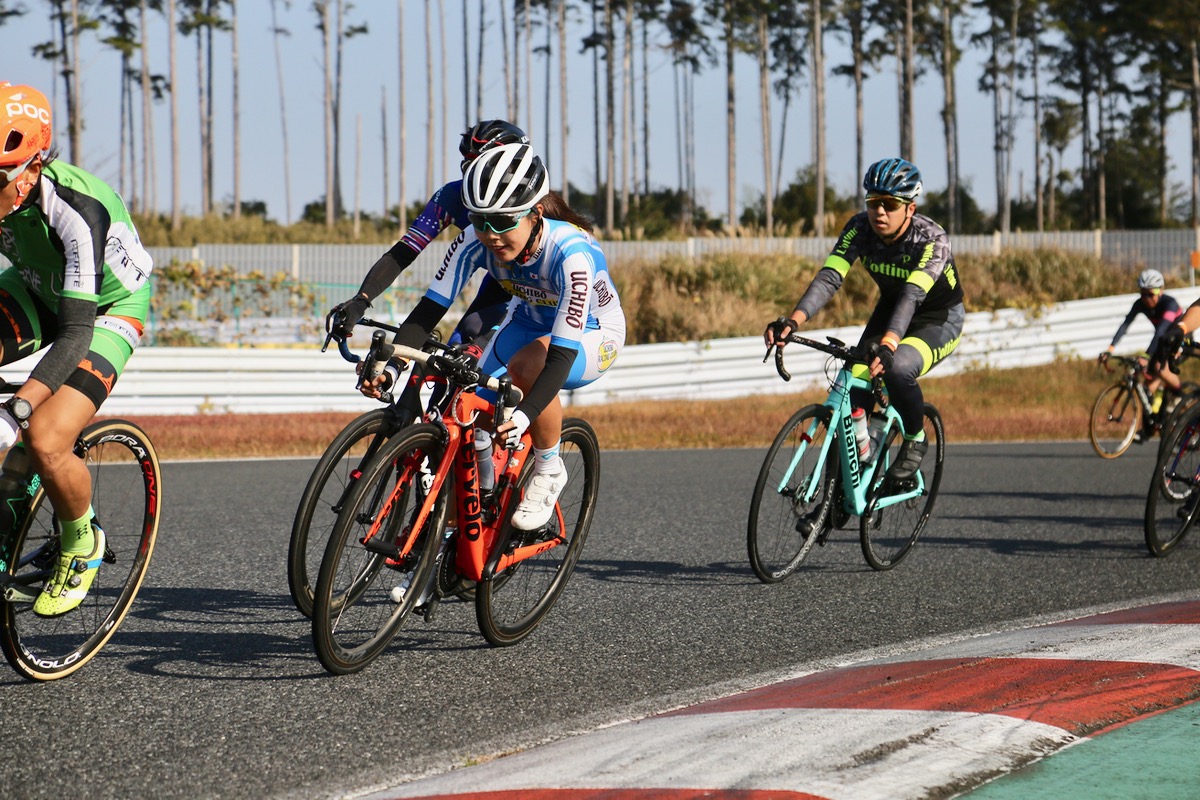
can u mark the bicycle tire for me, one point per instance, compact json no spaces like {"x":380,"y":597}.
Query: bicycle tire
{"x":354,"y":614}
{"x":1188,"y":402}
{"x":511,"y":603}
{"x":324,"y":494}
{"x":1116,"y":418}
{"x":1174,"y":490}
{"x":126,"y":482}
{"x":774,"y":545}
{"x":887,"y":535}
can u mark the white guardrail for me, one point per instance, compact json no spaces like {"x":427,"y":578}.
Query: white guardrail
{"x":204,"y":380}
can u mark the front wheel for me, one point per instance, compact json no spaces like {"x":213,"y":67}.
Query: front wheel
{"x":324,"y":495}
{"x":377,"y":561}
{"x":788,"y":513}
{"x":127,"y":501}
{"x":512,"y":602}
{"x":888,"y":530}
{"x":1174,"y":492}
{"x":1116,"y":418}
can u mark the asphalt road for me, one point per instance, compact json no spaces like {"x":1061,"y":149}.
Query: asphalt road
{"x":211,"y":687}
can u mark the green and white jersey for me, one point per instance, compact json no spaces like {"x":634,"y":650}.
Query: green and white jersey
{"x":75,"y":240}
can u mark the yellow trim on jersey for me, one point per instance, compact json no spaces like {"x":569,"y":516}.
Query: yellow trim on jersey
{"x":838,"y":264}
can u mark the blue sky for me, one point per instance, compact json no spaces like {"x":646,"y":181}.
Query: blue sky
{"x":371,"y":70}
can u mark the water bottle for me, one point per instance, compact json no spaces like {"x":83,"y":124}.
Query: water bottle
{"x":14,"y":482}
{"x":861,"y":435}
{"x":876,"y":428}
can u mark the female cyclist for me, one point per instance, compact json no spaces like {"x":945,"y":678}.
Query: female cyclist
{"x":919,"y":317}
{"x":79,"y":283}
{"x":565,"y":326}
{"x":444,"y":209}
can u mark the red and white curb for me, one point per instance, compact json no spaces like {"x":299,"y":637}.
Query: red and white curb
{"x":963,"y":713}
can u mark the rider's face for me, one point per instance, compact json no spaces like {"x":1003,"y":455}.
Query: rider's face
{"x":508,"y":245}
{"x":1150,"y":297}
{"x":889,"y":215}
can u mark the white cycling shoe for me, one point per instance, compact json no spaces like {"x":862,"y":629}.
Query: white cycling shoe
{"x":537,"y":506}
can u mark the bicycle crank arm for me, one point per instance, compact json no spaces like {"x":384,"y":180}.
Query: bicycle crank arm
{"x":16,"y":592}
{"x":389,"y":549}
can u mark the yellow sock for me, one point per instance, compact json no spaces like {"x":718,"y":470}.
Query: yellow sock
{"x":1156,"y":404}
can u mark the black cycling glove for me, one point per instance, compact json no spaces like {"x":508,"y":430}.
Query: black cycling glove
{"x":342,"y":318}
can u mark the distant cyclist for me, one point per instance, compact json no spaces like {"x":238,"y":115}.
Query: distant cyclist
{"x":444,"y":209}
{"x":79,"y":286}
{"x":919,"y":317}
{"x":1162,"y":310}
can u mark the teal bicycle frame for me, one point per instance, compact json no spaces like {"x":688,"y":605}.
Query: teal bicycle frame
{"x":858,"y":480}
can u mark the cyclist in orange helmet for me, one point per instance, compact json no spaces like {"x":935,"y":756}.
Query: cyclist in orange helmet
{"x":79,"y":288}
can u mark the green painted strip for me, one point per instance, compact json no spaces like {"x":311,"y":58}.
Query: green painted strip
{"x":1153,"y":759}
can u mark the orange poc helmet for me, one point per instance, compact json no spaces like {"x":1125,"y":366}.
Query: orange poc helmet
{"x":25,"y":129}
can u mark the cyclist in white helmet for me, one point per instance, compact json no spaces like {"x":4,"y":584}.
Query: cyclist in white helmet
{"x":1162,"y":310}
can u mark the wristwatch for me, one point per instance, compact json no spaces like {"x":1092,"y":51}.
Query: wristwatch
{"x":20,"y":409}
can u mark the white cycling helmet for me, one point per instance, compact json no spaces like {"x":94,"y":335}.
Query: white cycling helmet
{"x":508,"y":179}
{"x":1150,"y":279}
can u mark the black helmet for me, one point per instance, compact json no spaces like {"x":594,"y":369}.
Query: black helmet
{"x":893,"y":176}
{"x":507,"y":179}
{"x":485,"y":134}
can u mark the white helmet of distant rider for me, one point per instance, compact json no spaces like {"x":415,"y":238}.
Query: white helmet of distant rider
{"x":1150,"y":279}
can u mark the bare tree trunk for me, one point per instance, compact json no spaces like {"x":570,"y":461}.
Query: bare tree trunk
{"x":529,"y":66}
{"x":172,"y":34}
{"x":949,"y":117}
{"x":210,"y":161}
{"x":1195,"y":216}
{"x":645,"y":106}
{"x":383,"y":134}
{"x":357,"y":172}
{"x":731,"y":220}
{"x":818,"y":43}
{"x":1101,"y":155}
{"x":287,"y":172}
{"x":764,"y":105}
{"x":125,"y":129}
{"x":237,"y":125}
{"x":402,"y":214}
{"x":510,"y":101}
{"x":596,"y":150}
{"x":202,"y":116}
{"x":1161,"y":103}
{"x":1052,"y":190}
{"x":564,"y":129}
{"x":610,"y":124}
{"x":626,"y":113}
{"x":1037,"y":123}
{"x":149,"y":199}
{"x":466,"y":65}
{"x":339,"y":38}
{"x":445,"y":71}
{"x":330,"y":155}
{"x":430,"y":140}
{"x":908,"y":142}
{"x":479,"y":63}
{"x":856,"y":46}
{"x":74,"y":99}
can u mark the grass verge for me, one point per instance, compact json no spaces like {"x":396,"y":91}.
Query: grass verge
{"x":1029,"y":404}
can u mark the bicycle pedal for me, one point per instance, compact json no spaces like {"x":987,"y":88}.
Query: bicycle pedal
{"x":390,"y":549}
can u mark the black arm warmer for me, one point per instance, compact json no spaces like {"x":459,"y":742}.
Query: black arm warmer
{"x":76,"y":322}
{"x":385,"y":271}
{"x":421,"y":320}
{"x":558,"y":368}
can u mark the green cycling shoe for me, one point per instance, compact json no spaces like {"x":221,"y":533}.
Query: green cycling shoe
{"x":72,"y":578}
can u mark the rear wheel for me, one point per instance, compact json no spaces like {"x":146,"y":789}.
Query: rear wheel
{"x":127,"y":500}
{"x":787,"y":512}
{"x":513,"y":601}
{"x":375,"y":564}
{"x":328,"y":487}
{"x":1116,"y":417}
{"x":888,"y":530}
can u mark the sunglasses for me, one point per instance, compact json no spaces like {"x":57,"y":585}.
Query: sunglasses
{"x":499,"y":223}
{"x":889,"y":203}
{"x":1150,"y":292}
{"x":7,"y":176}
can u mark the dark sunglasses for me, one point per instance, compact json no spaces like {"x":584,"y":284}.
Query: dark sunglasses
{"x":499,"y":223}
{"x":889,"y":203}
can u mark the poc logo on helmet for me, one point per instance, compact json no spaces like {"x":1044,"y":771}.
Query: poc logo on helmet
{"x":28,"y":110}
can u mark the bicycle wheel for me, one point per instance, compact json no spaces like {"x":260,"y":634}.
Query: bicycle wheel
{"x":1116,"y":418}
{"x":326,"y":491}
{"x":513,"y":601}
{"x":1174,"y":490}
{"x":364,"y":588}
{"x":888,"y":532}
{"x":778,"y":506}
{"x":126,"y":498}
{"x":1180,"y":410}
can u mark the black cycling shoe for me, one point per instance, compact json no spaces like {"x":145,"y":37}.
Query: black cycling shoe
{"x":908,"y":461}
{"x":809,"y":523}
{"x":1189,"y":506}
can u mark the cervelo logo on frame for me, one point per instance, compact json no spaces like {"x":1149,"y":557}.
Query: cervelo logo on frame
{"x":17,"y":109}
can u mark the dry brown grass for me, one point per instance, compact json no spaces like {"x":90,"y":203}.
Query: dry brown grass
{"x":1039,"y":403}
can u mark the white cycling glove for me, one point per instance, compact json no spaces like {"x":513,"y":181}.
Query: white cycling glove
{"x":512,"y":437}
{"x":8,"y":429}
